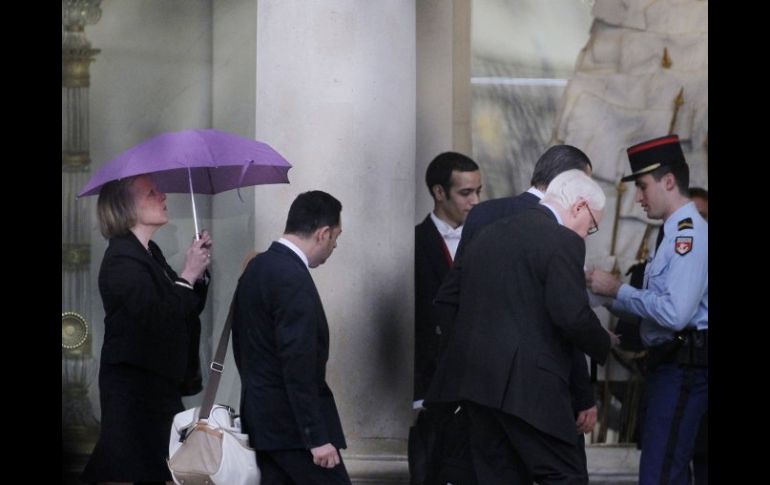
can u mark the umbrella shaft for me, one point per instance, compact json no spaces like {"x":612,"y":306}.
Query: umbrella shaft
{"x":192,"y":198}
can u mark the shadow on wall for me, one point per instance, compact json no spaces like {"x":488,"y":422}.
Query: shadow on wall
{"x":391,"y":348}
{"x":381,"y":396}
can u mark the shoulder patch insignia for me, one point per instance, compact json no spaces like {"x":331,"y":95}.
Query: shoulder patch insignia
{"x":685,"y":223}
{"x":683,"y":245}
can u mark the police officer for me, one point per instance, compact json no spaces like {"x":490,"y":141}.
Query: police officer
{"x":673,"y":306}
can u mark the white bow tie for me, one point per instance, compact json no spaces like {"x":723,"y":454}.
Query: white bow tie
{"x":453,"y":233}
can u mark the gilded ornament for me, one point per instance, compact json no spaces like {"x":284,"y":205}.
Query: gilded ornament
{"x":74,"y":330}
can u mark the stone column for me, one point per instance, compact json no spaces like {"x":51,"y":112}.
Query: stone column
{"x":443,"y":87}
{"x":335,"y":94}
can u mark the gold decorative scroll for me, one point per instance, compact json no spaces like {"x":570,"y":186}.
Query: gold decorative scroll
{"x":678,"y":102}
{"x":666,"y":61}
{"x":75,"y":256}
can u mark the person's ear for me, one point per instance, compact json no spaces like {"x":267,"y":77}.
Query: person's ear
{"x":577,"y":207}
{"x":669,"y":181}
{"x":323,"y":232}
{"x":438,"y":193}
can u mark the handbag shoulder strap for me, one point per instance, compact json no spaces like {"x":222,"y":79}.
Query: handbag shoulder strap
{"x":217,"y":366}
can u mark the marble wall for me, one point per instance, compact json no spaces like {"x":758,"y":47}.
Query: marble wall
{"x":641,"y":55}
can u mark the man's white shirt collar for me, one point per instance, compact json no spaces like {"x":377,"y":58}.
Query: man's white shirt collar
{"x":558,"y":217}
{"x":446,"y":231}
{"x":532,"y":190}
{"x":451,"y":235}
{"x":294,"y":248}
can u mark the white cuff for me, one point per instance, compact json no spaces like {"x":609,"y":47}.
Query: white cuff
{"x":183,"y":283}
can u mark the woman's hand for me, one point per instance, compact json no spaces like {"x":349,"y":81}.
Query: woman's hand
{"x":198,"y":258}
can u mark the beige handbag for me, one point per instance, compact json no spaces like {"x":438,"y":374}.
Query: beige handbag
{"x":206,"y":445}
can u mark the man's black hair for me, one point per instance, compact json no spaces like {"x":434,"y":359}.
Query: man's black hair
{"x":440,"y":170}
{"x":311,"y":210}
{"x":558,"y":159}
{"x":681,"y":174}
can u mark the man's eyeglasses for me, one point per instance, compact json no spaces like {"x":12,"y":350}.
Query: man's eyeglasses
{"x":593,"y":229}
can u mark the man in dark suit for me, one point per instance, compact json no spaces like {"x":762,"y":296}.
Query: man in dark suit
{"x":454,"y":183}
{"x":554,"y":161}
{"x":281,"y":345}
{"x":522,"y":309}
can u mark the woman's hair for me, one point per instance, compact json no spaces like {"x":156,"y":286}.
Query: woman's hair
{"x":115,"y":207}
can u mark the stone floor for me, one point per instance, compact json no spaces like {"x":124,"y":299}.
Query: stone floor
{"x":607,"y":465}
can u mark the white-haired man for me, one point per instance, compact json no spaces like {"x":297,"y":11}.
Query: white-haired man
{"x":522,"y":309}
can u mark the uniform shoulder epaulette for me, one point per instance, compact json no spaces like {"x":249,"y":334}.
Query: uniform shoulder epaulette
{"x":685,"y":223}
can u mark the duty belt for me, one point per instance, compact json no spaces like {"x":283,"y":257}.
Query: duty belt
{"x":688,"y":348}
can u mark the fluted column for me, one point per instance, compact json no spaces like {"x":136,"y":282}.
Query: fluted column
{"x":79,"y":427}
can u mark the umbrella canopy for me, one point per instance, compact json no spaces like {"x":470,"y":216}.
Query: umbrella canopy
{"x":211,"y":161}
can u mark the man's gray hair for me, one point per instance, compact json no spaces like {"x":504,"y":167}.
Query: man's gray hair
{"x":570,"y":186}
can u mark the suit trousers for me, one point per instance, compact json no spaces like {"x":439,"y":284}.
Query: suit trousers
{"x":508,"y":450}
{"x":438,"y":447}
{"x":296,"y":467}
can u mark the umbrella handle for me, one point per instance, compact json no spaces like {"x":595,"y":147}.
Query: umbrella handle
{"x":192,"y":199}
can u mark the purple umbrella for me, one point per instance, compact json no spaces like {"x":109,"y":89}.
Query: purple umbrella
{"x":196,"y":161}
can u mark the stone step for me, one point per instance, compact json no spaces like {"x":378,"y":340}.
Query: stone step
{"x":607,"y":464}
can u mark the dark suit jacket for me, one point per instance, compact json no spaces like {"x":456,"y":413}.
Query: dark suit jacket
{"x":281,"y":345}
{"x":490,"y":211}
{"x":150,"y":322}
{"x":480,"y":216}
{"x":430,"y":267}
{"x":523,"y":308}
